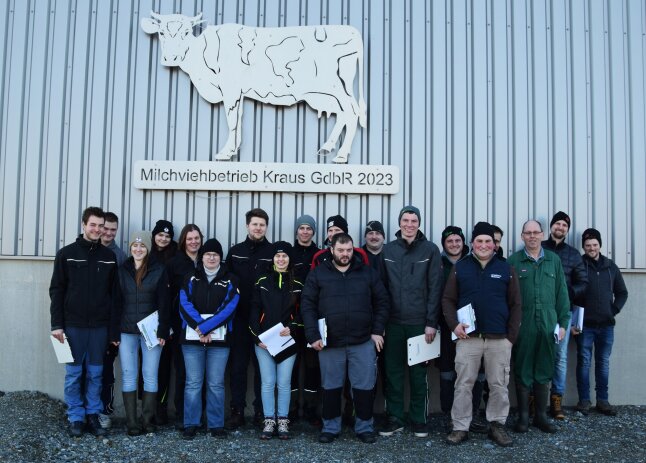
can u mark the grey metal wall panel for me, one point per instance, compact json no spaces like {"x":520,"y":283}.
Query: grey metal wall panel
{"x":495,"y":110}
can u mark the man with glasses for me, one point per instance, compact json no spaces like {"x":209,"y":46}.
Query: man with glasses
{"x":546,"y":316}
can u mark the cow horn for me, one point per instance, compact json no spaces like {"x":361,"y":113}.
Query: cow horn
{"x":197,"y":18}
{"x":155,"y":16}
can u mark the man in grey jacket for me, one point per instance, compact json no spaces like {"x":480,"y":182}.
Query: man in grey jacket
{"x":413,"y":275}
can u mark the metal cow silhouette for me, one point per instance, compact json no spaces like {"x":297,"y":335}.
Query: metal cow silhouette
{"x":278,"y":66}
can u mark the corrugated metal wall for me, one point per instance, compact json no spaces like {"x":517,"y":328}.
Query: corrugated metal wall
{"x":492,"y":109}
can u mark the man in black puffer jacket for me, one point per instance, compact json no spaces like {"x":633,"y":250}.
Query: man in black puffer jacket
{"x":576,"y":279}
{"x":351,"y":298}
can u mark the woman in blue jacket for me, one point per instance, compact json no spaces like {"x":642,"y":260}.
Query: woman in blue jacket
{"x":207,"y":303}
{"x":144,"y":289}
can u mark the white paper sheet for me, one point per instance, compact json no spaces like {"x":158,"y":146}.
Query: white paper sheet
{"x":322,"y":332}
{"x":148,"y":328}
{"x":467,"y":316}
{"x":62,"y":350}
{"x":217,"y":334}
{"x":419,"y":351}
{"x":274,"y":341}
{"x":577,"y":318}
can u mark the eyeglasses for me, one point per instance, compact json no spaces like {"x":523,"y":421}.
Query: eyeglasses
{"x":211,"y":255}
{"x":532,"y":233}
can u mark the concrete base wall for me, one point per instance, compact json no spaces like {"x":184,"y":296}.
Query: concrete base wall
{"x":28,"y":361}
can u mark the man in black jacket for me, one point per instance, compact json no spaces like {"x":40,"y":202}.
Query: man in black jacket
{"x":576,"y":279}
{"x":353,"y":301}
{"x":247,"y":261}
{"x":603,"y":300}
{"x":84,"y":293}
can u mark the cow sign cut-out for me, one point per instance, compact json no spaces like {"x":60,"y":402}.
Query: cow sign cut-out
{"x":273,"y":65}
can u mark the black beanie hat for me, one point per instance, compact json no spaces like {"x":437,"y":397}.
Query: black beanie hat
{"x":283,"y":246}
{"x":337,"y":221}
{"x":591,"y":234}
{"x":211,"y":245}
{"x":376,"y":226}
{"x":560,"y":215}
{"x":452,"y":230}
{"x":482,"y":228}
{"x":163,"y":226}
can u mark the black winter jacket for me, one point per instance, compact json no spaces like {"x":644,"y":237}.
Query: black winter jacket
{"x":219,"y":297}
{"x":576,"y":277}
{"x":248,"y":260}
{"x":178,"y":269}
{"x":302,"y":260}
{"x":354,"y":303}
{"x":139,"y":302}
{"x":276,"y":299}
{"x":606,"y":293}
{"x":84,"y":289}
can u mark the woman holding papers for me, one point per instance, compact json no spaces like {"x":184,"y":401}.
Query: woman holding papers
{"x":276,"y":301}
{"x":144,"y":288}
{"x":207,"y":303}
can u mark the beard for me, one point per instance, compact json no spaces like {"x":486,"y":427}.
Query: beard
{"x":342,"y":262}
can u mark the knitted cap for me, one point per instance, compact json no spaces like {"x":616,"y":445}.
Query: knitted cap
{"x":142,"y":236}
{"x":591,"y":234}
{"x":560,"y":215}
{"x":211,"y":245}
{"x":452,"y":230}
{"x":376,"y":226}
{"x":482,"y":228}
{"x":337,"y":221}
{"x":305,"y":220}
{"x":164,"y":226}
{"x":412,"y":210}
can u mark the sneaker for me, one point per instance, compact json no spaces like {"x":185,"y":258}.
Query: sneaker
{"x":555,"y":407}
{"x":605,"y":408}
{"x":189,"y":432}
{"x":393,"y":426}
{"x":105,"y":421}
{"x":478,"y":425}
{"x":269,"y":429}
{"x":584,"y":407}
{"x":367,"y":437}
{"x":457,"y":437}
{"x":76,"y":429}
{"x":419,"y":429}
{"x":235,"y":420}
{"x":327,"y":437}
{"x":94,"y":426}
{"x":218,"y":433}
{"x":498,"y":434}
{"x":283,"y":428}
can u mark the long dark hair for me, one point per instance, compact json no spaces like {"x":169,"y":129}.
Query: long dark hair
{"x":185,"y":231}
{"x":140,"y":272}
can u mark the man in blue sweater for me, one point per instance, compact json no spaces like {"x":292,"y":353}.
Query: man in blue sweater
{"x":491,"y":287}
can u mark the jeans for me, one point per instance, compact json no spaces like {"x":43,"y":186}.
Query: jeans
{"x":213,"y":361}
{"x":274,"y":374}
{"x":560,"y":365}
{"x":601,"y":339}
{"x":129,"y":349}
{"x":87,"y":345}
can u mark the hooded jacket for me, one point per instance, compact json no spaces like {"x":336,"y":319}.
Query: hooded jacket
{"x":354,"y":303}
{"x":413,"y":277}
{"x":576,"y":277}
{"x":84,"y":288}
{"x":606,"y":293}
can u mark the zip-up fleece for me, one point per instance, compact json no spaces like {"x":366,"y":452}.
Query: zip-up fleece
{"x":276,"y":299}
{"x":413,"y":276}
{"x":606,"y":293}
{"x":141,"y":301}
{"x":220,"y":297}
{"x":84,"y":289}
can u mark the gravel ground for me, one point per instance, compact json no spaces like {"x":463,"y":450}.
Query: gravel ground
{"x":33,"y":429}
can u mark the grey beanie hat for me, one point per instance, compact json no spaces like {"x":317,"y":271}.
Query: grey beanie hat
{"x":142,"y":236}
{"x":411,"y":210}
{"x":305,"y":220}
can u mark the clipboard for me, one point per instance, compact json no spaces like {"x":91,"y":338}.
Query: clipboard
{"x":419,"y":351}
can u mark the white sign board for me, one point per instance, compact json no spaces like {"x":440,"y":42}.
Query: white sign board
{"x":256,"y":176}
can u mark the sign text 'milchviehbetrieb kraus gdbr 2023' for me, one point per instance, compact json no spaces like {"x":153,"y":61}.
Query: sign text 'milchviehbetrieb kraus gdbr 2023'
{"x":258,"y":176}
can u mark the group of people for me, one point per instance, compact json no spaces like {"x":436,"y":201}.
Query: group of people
{"x":346,"y":314}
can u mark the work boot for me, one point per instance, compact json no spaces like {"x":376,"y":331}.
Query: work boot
{"x":522,"y":398}
{"x":555,"y":407}
{"x":130,"y":405}
{"x":541,"y":421}
{"x":283,"y":428}
{"x":269,"y":428}
{"x":498,"y":434}
{"x":149,"y":407}
{"x":94,"y":427}
{"x":583,"y":407}
{"x":457,"y":437}
{"x":235,"y":420}
{"x":605,"y":408}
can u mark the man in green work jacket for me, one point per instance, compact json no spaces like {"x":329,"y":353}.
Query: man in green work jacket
{"x":546,"y":307}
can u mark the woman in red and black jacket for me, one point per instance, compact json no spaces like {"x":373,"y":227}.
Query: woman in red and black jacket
{"x":276,"y":299}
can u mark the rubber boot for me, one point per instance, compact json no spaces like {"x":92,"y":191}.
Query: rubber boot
{"x":130,"y":405}
{"x":541,"y":395}
{"x":522,"y":398}
{"x":149,"y":407}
